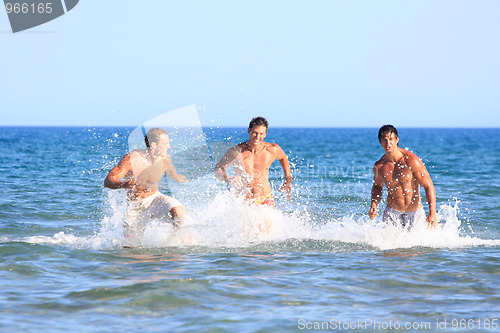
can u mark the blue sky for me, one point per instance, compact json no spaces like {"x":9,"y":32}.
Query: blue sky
{"x":299,"y":63}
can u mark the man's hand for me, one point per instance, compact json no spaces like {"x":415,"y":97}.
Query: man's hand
{"x":372,"y":213}
{"x":431,"y":221}
{"x":180,"y":179}
{"x":287,"y":187}
{"x":235,"y":182}
{"x":129,"y":184}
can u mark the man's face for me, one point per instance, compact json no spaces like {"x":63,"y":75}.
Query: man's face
{"x":389,"y":142}
{"x":257,"y":134}
{"x":160,"y":148}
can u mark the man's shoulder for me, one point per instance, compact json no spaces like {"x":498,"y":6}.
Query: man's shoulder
{"x":238,"y":148}
{"x":136,"y":152}
{"x":126,"y":160}
{"x":381,"y":161}
{"x":411,"y":158}
{"x":167,"y":158}
{"x":272,"y":148}
{"x":271,"y":145}
{"x":235,"y":150}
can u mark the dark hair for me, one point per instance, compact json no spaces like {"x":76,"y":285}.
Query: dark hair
{"x":153,"y":135}
{"x":385,"y":130}
{"x":258,"y":121}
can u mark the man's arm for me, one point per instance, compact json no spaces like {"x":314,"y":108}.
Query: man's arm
{"x":377,"y":190}
{"x":123,"y":167}
{"x":283,"y":159}
{"x":221,"y":167}
{"x":171,"y":172}
{"x":424,"y":179}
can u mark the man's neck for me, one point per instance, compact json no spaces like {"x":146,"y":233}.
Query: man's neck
{"x":152,"y":155}
{"x":395,"y":155}
{"x":255,"y":147}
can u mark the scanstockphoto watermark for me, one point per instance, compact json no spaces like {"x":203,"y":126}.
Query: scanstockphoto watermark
{"x":26,"y":14}
{"x":364,"y":324}
{"x":463,"y":324}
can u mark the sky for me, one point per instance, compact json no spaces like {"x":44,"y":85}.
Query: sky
{"x":329,"y":63}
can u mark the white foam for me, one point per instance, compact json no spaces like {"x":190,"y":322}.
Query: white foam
{"x":228,"y":222}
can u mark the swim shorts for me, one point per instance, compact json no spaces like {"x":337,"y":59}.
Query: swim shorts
{"x":140,"y":212}
{"x":404,"y":219}
{"x":264,"y":200}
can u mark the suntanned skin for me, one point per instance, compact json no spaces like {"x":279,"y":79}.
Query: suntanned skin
{"x":402,"y":172}
{"x":251,"y":161}
{"x":141,"y":171}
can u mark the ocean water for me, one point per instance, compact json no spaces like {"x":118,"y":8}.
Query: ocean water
{"x":324,"y":266}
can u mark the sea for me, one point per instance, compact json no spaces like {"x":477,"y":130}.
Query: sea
{"x":322,"y":266}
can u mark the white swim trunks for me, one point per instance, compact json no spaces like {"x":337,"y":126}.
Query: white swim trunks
{"x":141,"y":212}
{"x":404,"y":219}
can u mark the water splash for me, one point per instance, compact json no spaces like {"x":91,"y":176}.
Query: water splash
{"x":228,"y":223}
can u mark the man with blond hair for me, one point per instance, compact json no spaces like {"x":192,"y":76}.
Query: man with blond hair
{"x":139,"y":173}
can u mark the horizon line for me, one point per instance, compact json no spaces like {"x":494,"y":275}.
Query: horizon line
{"x":244,"y":127}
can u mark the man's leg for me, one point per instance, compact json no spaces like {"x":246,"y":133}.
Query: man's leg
{"x":135,"y":224}
{"x":178,"y":213}
{"x":416,"y":217}
{"x":167,"y":209}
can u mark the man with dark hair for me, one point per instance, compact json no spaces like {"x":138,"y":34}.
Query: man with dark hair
{"x":387,"y":129}
{"x":251,"y":161}
{"x":402,"y":172}
{"x":258,"y":121}
{"x":141,"y":171}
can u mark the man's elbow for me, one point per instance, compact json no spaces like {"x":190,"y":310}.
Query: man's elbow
{"x":428,"y":185}
{"x":108,"y":183}
{"x":430,"y":190}
{"x":217,"y":172}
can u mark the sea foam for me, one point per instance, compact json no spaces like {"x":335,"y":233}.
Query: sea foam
{"x":228,"y":222}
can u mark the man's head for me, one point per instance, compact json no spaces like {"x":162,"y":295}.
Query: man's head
{"x":258,"y":121}
{"x":157,"y":139}
{"x":257,"y":130}
{"x":388,"y":137}
{"x":387,"y":129}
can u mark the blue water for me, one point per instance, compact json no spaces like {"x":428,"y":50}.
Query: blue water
{"x":324,"y":265}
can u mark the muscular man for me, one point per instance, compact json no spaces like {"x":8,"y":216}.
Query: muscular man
{"x":402,"y":172}
{"x":139,"y":172}
{"x":251,"y":161}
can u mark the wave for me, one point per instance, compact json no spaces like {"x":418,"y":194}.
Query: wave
{"x":228,"y":224}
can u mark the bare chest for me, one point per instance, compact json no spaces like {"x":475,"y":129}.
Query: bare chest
{"x":254,"y":163}
{"x":142,"y":166}
{"x":139,"y":164}
{"x":395,"y":174}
